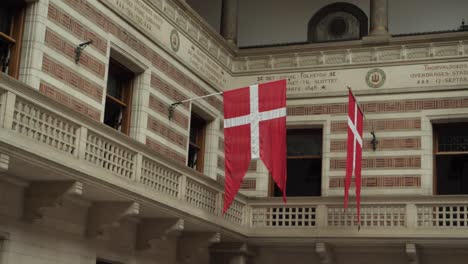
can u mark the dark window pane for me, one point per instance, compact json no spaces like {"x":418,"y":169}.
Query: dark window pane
{"x":453,"y":137}
{"x":304,"y":142}
{"x":113,"y":114}
{"x":114,"y":86}
{"x":196,"y":145}
{"x":5,"y":20}
{"x":304,"y":178}
{"x":452,"y":174}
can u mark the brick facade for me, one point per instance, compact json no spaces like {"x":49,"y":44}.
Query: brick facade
{"x":166,"y":132}
{"x":400,"y":162}
{"x":70,"y":101}
{"x":389,"y":181}
{"x":391,"y":106}
{"x":166,"y":151}
{"x":71,"y":78}
{"x":383,"y":144}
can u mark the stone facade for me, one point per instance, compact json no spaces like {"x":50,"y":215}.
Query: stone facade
{"x":73,"y":190}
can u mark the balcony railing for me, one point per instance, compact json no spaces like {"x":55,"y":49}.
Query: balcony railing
{"x":49,"y":130}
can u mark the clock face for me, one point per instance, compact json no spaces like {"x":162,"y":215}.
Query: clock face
{"x":337,"y":26}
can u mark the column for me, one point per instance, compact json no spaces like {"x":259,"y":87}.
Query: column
{"x":229,"y":21}
{"x":378,"y":17}
{"x":32,"y":49}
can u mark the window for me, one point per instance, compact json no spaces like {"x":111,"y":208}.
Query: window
{"x":338,"y":22}
{"x":451,"y":158}
{"x":118,"y":97}
{"x":197,"y":142}
{"x":11,"y":32}
{"x":304,"y":161}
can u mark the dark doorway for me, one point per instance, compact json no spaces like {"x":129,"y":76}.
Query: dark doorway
{"x":304,"y":163}
{"x":451,"y":158}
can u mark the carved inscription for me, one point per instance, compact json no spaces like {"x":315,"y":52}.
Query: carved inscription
{"x":205,"y":65}
{"x":304,"y":81}
{"x":421,"y":75}
{"x":139,"y":13}
{"x":447,"y":74}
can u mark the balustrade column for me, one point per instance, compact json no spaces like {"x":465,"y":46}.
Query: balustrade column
{"x":7,"y":110}
{"x":229,"y":21}
{"x":378,"y":17}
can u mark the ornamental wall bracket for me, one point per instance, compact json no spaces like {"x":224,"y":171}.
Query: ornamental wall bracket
{"x":374,"y":141}
{"x":79,"y":49}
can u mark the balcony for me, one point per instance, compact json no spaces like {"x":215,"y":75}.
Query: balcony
{"x":44,"y":142}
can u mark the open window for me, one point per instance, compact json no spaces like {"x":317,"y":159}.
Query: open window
{"x":11,"y":33}
{"x":304,"y":161}
{"x":196,"y":152}
{"x":451,"y":158}
{"x":118,"y":97}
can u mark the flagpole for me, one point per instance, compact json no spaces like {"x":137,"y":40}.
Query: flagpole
{"x":364,"y":117}
{"x":174,"y":105}
{"x":360,"y":109}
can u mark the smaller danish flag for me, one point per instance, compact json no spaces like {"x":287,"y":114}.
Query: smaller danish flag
{"x":354,"y":151}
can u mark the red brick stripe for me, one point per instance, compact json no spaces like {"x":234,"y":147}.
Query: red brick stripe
{"x":69,"y":101}
{"x":64,"y":20}
{"x":401,"y":106}
{"x":166,"y":151}
{"x":70,"y":77}
{"x":54,"y":41}
{"x":389,"y":181}
{"x":381,"y":125}
{"x":163,"y":108}
{"x":253,"y":165}
{"x":165,"y":88}
{"x":383,"y":144}
{"x":403,"y":162}
{"x":159,"y":62}
{"x":166,"y":132}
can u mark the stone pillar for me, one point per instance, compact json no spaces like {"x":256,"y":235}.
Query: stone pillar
{"x":378,"y":17}
{"x":229,"y":21}
{"x":32,"y":49}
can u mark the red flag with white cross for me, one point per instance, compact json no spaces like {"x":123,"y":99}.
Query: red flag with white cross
{"x":254,"y":128}
{"x":354,"y":151}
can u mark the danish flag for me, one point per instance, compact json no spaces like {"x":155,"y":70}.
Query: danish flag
{"x":254,"y":127}
{"x":354,"y":151}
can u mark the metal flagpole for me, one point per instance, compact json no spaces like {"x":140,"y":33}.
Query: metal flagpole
{"x":364,"y":117}
{"x":174,"y":105}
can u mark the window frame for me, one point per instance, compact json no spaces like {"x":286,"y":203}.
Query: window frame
{"x":200,"y":141}
{"x":435,"y":141}
{"x":15,"y":38}
{"x":126,"y":87}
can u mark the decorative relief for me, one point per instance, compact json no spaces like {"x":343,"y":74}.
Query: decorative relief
{"x":375,"y":78}
{"x":175,"y":40}
{"x":169,"y":10}
{"x":192,"y":31}
{"x":389,"y":55}
{"x":361,"y":55}
{"x":335,"y":59}
{"x":364,"y":56}
{"x":181,"y":21}
{"x":443,"y":51}
{"x":417,"y":53}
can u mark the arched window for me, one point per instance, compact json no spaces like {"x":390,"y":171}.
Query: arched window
{"x":338,"y":22}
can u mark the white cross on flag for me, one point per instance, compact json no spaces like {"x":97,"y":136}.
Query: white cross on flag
{"x":354,"y":151}
{"x":254,"y":127}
